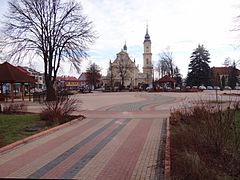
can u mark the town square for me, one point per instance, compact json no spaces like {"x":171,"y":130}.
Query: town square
{"x":119,"y":90}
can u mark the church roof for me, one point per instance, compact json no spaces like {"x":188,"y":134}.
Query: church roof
{"x":147,"y":37}
{"x":125,"y":47}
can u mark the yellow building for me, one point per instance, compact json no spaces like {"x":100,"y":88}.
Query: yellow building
{"x":68,"y":83}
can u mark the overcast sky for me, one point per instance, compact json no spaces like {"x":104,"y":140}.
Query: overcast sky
{"x":178,"y":24}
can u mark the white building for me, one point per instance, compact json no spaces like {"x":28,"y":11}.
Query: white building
{"x":124,"y":70}
{"x":39,"y":77}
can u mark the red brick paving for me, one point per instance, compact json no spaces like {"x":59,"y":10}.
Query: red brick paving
{"x":119,"y":165}
{"x":122,"y":164}
{"x":60,"y":168}
{"x":16,"y":163}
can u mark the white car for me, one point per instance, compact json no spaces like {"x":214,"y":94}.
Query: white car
{"x":227,"y":88}
{"x":237,"y":87}
{"x":202,"y":87}
{"x":194,"y":87}
{"x":216,"y":87}
{"x":209,"y":88}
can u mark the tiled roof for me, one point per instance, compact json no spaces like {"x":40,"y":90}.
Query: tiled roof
{"x":23,"y":70}
{"x":12,"y":74}
{"x":67,"y":78}
{"x":223,"y":70}
{"x":83,"y":76}
{"x":165,"y":79}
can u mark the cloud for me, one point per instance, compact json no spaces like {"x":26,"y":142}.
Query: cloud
{"x":179,"y":24}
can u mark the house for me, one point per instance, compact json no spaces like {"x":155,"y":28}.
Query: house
{"x":14,"y":81}
{"x":39,"y":77}
{"x":68,"y":83}
{"x":220,"y":75}
{"x":83,"y":79}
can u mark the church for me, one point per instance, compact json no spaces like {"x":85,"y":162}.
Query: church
{"x":124,"y":72}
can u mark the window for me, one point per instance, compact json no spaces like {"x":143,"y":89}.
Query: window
{"x":147,"y":60}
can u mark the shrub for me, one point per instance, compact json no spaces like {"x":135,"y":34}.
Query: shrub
{"x":205,"y":138}
{"x":190,"y":166}
{"x":57,"y":112}
{"x":12,"y":108}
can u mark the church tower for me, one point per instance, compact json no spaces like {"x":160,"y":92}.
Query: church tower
{"x":147,"y":58}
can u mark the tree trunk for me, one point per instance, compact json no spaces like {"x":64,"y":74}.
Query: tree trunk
{"x":122,"y":83}
{"x":51,"y":92}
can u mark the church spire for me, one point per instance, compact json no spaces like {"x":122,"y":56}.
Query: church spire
{"x":125,"y":47}
{"x":147,"y":37}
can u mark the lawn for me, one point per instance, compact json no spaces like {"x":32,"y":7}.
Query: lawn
{"x":17,"y":126}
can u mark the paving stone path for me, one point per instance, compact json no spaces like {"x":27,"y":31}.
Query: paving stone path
{"x":123,"y":141}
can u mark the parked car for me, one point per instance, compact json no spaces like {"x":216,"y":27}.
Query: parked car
{"x":227,"y":88}
{"x":209,"y":88}
{"x":188,"y":87}
{"x":100,"y":89}
{"x":194,"y":87}
{"x":149,"y":89}
{"x":202,"y":87}
{"x":216,"y":88}
{"x":84,"y":90}
{"x":237,"y":88}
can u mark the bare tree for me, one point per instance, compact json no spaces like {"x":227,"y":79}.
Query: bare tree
{"x":158,"y":68}
{"x":55,"y":30}
{"x":93,"y":75}
{"x":123,"y":69}
{"x":166,"y":62}
{"x":227,"y":62}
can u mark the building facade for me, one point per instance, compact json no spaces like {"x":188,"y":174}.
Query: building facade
{"x":123,"y":71}
{"x":83,"y":79}
{"x":220,"y":75}
{"x":67,"y":83}
{"x":39,"y":77}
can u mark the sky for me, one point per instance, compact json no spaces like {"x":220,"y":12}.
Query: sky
{"x":179,"y":25}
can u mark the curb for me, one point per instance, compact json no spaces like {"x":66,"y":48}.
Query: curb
{"x":167,"y":160}
{"x":27,"y":139}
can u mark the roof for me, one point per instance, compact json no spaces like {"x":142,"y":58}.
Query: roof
{"x":165,"y":79}
{"x":12,"y":74}
{"x":147,"y":37}
{"x":23,"y":70}
{"x":223,"y":70}
{"x":67,"y":78}
{"x":83,"y":76}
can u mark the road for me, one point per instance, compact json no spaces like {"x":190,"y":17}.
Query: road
{"x":121,"y":138}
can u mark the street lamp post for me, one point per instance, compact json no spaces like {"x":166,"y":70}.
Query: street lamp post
{"x":153,"y":85}
{"x":111,"y":78}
